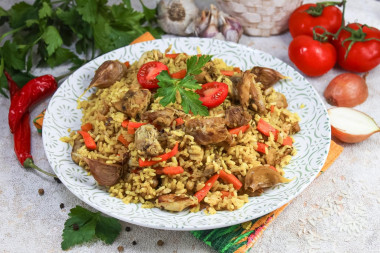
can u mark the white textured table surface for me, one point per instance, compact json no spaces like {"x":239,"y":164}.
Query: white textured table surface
{"x":339,"y":212}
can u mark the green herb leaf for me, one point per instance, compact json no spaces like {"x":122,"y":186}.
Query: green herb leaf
{"x":21,"y":12}
{"x":45,"y":11}
{"x":186,"y":87}
{"x":84,"y":225}
{"x":150,"y":14}
{"x":52,"y":38}
{"x":88,"y":9}
{"x":3,"y":16}
{"x":13,"y":57}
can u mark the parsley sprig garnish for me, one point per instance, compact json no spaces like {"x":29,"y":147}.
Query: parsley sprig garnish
{"x":84,"y":225}
{"x":186,"y":87}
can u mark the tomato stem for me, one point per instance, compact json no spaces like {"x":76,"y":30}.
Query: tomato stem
{"x":317,"y":10}
{"x":356,"y":36}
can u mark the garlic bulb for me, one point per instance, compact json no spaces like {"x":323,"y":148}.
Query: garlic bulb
{"x":207,"y":24}
{"x":230,"y":27}
{"x":175,"y":16}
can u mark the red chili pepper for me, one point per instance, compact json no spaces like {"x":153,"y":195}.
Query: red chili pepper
{"x":21,"y":136}
{"x":33,"y":91}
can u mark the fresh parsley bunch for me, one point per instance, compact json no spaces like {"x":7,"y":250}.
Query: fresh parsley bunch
{"x":84,"y":225}
{"x":186,"y":87}
{"x":57,"y":31}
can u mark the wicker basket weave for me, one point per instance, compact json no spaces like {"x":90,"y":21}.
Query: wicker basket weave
{"x":261,"y":17}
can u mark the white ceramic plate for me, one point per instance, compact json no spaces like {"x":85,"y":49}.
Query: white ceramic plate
{"x":312,"y":142}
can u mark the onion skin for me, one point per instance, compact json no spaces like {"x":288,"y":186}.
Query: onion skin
{"x":349,"y":138}
{"x":347,"y":90}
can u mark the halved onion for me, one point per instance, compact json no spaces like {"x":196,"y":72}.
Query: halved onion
{"x":350,"y":125}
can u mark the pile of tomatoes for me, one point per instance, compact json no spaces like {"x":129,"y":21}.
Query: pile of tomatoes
{"x":355,"y":47}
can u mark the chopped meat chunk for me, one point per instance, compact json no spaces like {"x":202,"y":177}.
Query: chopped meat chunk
{"x":134,"y":102}
{"x":249,"y":91}
{"x":146,"y":140}
{"x":161,"y":118}
{"x":104,"y":174}
{"x":207,"y":130}
{"x":266,"y":76}
{"x":262,"y":177}
{"x":108,"y":73}
{"x":236,"y":116}
{"x":295,"y":128}
{"x":281,"y":100}
{"x":273,"y":157}
{"x":176,"y":203}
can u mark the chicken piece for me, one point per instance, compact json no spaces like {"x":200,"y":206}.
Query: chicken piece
{"x":266,"y":76}
{"x":146,"y":140}
{"x":207,"y":130}
{"x":176,"y":203}
{"x":236,"y":116}
{"x":104,"y":174}
{"x":161,"y":118}
{"x":232,"y":89}
{"x":74,"y":155}
{"x":108,"y":73}
{"x":134,"y":102}
{"x":281,"y":101}
{"x":262,"y":177}
{"x":249,"y":91}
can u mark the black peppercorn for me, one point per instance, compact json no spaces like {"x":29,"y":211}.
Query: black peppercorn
{"x":41,"y":191}
{"x":127,"y":229}
{"x":134,"y":242}
{"x":62,"y":205}
{"x":57,"y":180}
{"x":160,"y":242}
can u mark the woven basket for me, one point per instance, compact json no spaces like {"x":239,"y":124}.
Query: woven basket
{"x":261,"y":17}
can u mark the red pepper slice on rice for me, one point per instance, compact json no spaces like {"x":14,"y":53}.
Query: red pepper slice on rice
{"x":163,"y":157}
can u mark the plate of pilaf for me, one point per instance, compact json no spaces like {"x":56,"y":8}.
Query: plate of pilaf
{"x":186,"y":133}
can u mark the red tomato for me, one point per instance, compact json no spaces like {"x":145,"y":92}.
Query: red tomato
{"x":302,"y":23}
{"x":213,"y":94}
{"x":363,"y":55}
{"x":312,"y":57}
{"x":148,"y":72}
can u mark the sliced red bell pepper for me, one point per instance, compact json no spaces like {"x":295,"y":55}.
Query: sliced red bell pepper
{"x":88,"y":140}
{"x":170,"y":170}
{"x":273,"y":168}
{"x":132,"y":126}
{"x":261,"y":147}
{"x":86,"y":127}
{"x":227,"y":72}
{"x":230,"y":178}
{"x":179,"y":75}
{"x":272,"y":108}
{"x":237,"y":130}
{"x":179,"y":121}
{"x":287,"y":141}
{"x":201,"y":194}
{"x":163,"y":157}
{"x":226,"y":194}
{"x":127,"y":64}
{"x":265,"y":128}
{"x":125,"y":123}
{"x":172,"y":56}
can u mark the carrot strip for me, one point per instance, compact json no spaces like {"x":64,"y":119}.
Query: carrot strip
{"x":265,"y":128}
{"x":287,"y":141}
{"x":88,"y":140}
{"x":127,"y":64}
{"x":227,"y":72}
{"x":272,"y":108}
{"x":170,"y":170}
{"x":123,"y":140}
{"x":230,"y":178}
{"x":163,"y":157}
{"x":201,"y":194}
{"x":226,"y":194}
{"x":179,"y":121}
{"x":237,"y":69}
{"x":179,"y":75}
{"x":236,"y":131}
{"x":261,"y":147}
{"x":86,"y":127}
{"x":125,"y":123}
{"x":171,"y":56}
{"x":132,"y":126}
{"x":144,"y":37}
{"x":273,"y":168}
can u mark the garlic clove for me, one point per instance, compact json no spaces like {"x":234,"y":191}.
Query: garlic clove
{"x":231,"y":28}
{"x":350,"y":125}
